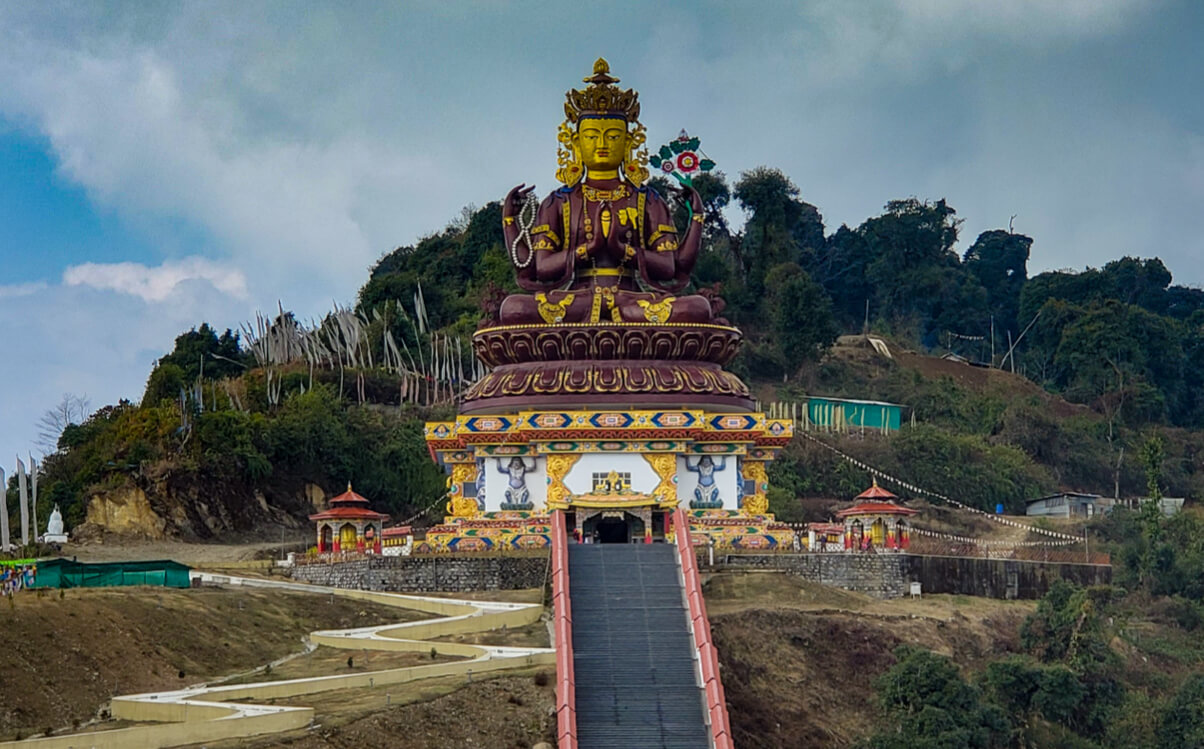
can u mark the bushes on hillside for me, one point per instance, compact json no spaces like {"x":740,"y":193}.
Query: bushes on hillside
{"x":312,"y":437}
{"x":928,"y":704}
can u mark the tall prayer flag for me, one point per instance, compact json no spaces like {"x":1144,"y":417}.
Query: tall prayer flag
{"x":23,"y":499}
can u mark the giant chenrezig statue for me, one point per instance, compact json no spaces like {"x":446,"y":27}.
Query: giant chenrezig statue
{"x":603,"y":247}
{"x":604,"y":317}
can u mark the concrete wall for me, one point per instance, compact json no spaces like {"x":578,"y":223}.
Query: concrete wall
{"x":890,"y":575}
{"x":199,"y":726}
{"x":998,"y":578}
{"x":421,"y":574}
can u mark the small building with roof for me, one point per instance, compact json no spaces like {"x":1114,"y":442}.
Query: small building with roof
{"x":825,"y":536}
{"x":826,"y":413}
{"x":349,"y":526}
{"x":876,"y":521}
{"x":397,"y":541}
{"x":1067,"y":504}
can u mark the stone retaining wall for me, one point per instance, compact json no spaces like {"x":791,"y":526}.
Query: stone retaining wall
{"x":425,"y":574}
{"x":999,"y":578}
{"x":878,"y":575}
{"x":890,"y":575}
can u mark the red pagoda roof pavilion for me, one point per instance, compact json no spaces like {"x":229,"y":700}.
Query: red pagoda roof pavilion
{"x":348,"y":496}
{"x":875,"y":492}
{"x":875,"y":501}
{"x":876,"y":508}
{"x":349,"y":506}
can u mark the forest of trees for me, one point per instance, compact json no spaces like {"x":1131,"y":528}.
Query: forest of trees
{"x":1122,"y":339}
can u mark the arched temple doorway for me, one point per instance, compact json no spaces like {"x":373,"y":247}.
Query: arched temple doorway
{"x":612,"y":531}
{"x":347,"y":537}
{"x":613,"y":527}
{"x":327,"y":539}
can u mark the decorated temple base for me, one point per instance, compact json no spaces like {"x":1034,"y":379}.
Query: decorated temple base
{"x":617,"y":475}
{"x":489,"y":531}
{"x":732,"y":530}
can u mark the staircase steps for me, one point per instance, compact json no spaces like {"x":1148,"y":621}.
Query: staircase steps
{"x":632,"y":650}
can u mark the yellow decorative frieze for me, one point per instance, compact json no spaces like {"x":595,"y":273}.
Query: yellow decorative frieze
{"x":665,"y":467}
{"x":559,"y":466}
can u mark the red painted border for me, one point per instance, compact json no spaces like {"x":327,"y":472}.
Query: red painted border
{"x":716,"y":703}
{"x":566,"y":697}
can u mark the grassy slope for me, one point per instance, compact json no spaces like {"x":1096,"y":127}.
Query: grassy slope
{"x":799,"y":660}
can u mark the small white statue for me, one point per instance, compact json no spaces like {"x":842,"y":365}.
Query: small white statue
{"x":54,"y":528}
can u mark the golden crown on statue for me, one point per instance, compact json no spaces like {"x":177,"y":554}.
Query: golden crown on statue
{"x":602,"y":98}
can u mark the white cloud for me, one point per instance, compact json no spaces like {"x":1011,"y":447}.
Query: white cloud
{"x":1024,"y":19}
{"x":84,"y":340}
{"x":12,"y":291}
{"x":158,"y":283}
{"x":142,"y":138}
{"x":890,"y":40}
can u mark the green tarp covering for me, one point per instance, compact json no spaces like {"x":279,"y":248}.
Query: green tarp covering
{"x":64,"y":573}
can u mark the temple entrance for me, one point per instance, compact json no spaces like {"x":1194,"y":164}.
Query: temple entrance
{"x":612,"y":531}
{"x":612,"y":527}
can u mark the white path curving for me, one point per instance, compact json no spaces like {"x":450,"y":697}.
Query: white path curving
{"x":205,"y":713}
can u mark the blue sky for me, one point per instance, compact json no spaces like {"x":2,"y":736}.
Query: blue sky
{"x":164,"y":164}
{"x":40,"y":209}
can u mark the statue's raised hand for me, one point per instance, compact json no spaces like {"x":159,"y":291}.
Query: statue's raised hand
{"x":516,"y":223}
{"x":689,"y":196}
{"x":514,"y":203}
{"x":687,"y":250}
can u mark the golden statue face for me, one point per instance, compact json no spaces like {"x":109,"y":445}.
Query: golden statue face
{"x":602,"y":143}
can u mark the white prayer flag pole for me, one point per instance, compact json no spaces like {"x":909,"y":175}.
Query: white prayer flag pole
{"x":4,"y":544}
{"x":23,"y":499}
{"x":33,"y":495}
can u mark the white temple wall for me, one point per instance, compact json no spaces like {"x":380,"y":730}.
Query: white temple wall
{"x":727,"y":479}
{"x":580,"y":479}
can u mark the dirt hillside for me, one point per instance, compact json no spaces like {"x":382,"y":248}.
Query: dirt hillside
{"x":62,"y":658}
{"x":799,"y":659}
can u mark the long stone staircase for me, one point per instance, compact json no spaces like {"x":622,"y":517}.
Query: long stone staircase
{"x":633,"y":656}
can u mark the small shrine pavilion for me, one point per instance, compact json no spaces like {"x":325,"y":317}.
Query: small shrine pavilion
{"x":876,"y":521}
{"x":349,"y":526}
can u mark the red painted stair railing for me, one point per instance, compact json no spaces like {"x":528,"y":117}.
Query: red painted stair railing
{"x":566,"y":701}
{"x":708,"y":657}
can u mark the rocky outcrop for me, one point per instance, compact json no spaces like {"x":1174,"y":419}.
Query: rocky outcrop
{"x":162,"y":502}
{"x":316,"y":497}
{"x":126,"y":511}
